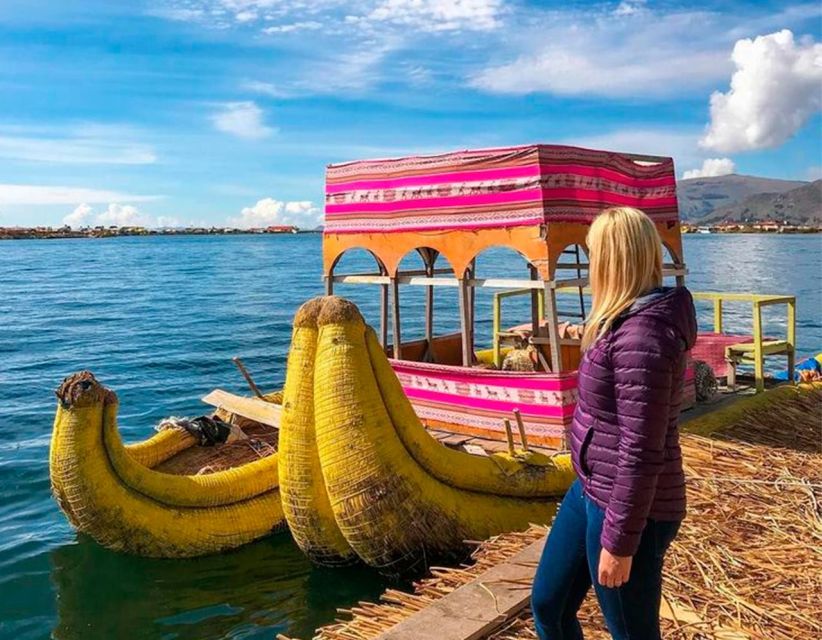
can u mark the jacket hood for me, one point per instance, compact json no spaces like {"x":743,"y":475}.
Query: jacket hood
{"x":673,"y":306}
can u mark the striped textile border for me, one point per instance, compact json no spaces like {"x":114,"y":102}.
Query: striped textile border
{"x":493,"y":188}
{"x":471,"y":399}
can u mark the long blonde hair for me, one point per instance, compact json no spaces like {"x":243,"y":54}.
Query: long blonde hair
{"x":625,"y":261}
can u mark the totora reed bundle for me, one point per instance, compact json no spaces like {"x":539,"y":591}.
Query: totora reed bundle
{"x":747,"y":563}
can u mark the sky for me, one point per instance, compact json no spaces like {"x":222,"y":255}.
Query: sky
{"x":226,"y":112}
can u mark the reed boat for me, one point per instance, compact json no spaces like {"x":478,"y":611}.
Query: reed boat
{"x":392,"y":452}
{"x":151,"y":498}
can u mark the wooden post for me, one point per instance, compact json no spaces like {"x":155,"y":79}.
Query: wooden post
{"x":472,"y":303}
{"x":395,"y":295}
{"x":581,"y":292}
{"x":509,"y":434}
{"x":429,"y":257}
{"x":329,"y":284}
{"x":497,"y":327}
{"x":535,"y":304}
{"x":521,"y":427}
{"x":717,"y":314}
{"x":251,"y":384}
{"x":465,"y":324}
{"x":791,"y":338}
{"x":551,"y":323}
{"x":384,"y":315}
{"x":759,"y":357}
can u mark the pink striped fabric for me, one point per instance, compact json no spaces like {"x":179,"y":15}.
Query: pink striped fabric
{"x":493,"y":188}
{"x":469,"y":400}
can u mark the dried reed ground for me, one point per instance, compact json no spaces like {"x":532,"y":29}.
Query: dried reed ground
{"x":748,"y":559}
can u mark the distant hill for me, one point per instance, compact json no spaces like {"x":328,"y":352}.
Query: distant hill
{"x":802,"y":205}
{"x":700,"y":197}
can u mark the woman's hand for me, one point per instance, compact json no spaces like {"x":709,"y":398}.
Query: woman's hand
{"x":614,"y":571}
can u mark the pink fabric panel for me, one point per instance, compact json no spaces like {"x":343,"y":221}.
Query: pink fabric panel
{"x":485,"y":404}
{"x":493,"y":188}
{"x":467,"y":375}
{"x":531,"y":171}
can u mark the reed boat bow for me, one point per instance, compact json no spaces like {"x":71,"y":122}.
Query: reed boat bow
{"x":109,"y":491}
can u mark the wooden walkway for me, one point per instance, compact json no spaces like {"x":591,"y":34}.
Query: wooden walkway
{"x":478,"y":608}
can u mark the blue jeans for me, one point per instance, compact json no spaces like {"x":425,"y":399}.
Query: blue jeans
{"x":568,"y":568}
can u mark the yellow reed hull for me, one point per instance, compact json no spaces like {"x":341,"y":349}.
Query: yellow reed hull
{"x":400,"y":498}
{"x":110,"y":492}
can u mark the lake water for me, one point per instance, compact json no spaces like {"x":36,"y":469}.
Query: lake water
{"x":158,"y":319}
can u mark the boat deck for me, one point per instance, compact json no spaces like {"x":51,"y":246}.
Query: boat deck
{"x":197,"y":460}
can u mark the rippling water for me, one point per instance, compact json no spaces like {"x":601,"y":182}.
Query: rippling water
{"x":158,"y":320}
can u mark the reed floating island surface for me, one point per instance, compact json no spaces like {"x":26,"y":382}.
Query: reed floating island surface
{"x":746,"y":565}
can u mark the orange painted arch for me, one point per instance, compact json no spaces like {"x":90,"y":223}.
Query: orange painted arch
{"x":541,"y":245}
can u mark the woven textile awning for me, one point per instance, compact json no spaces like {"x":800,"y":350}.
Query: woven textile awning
{"x":493,"y":188}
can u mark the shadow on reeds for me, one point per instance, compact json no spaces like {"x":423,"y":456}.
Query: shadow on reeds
{"x":257,"y":591}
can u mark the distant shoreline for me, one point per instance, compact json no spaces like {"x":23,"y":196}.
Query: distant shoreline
{"x":48,"y":233}
{"x":761,"y":232}
{"x":58,"y":234}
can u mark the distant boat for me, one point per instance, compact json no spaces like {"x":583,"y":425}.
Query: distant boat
{"x":704,"y":230}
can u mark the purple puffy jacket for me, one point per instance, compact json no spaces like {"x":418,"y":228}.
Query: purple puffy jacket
{"x":624,"y":436}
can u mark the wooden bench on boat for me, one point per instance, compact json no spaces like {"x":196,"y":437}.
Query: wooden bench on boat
{"x":256,"y":409}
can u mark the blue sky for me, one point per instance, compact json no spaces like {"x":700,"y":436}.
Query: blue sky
{"x":169,"y":112}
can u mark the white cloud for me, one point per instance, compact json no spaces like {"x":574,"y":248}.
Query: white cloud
{"x":268,"y":211}
{"x":277,"y":17}
{"x":774,"y":92}
{"x":680,"y":144}
{"x":266,"y":88}
{"x":75,"y":144}
{"x":630,"y":8}
{"x":346,"y":69}
{"x":245,"y":16}
{"x":79,"y":217}
{"x":123,"y":215}
{"x":439,"y":15}
{"x":711,"y":167}
{"x":119,"y":215}
{"x":309,"y":25}
{"x":242,"y":119}
{"x":630,"y":52}
{"x":32,"y":194}
{"x":814,"y":173}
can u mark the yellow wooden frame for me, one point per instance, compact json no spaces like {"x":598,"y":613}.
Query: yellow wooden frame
{"x":755,"y":351}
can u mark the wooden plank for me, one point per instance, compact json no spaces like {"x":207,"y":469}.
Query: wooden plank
{"x":478,"y":608}
{"x":474,"y":449}
{"x":553,"y":329}
{"x":494,"y":446}
{"x":261,"y":411}
{"x":361,"y":279}
{"x":455,"y":440}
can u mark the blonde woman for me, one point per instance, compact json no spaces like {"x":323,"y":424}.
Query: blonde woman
{"x":617,"y":520}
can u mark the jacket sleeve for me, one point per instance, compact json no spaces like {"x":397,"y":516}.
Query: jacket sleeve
{"x":643,"y":364}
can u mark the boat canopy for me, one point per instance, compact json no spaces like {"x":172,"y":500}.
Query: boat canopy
{"x":538,"y":200}
{"x":535,"y":199}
